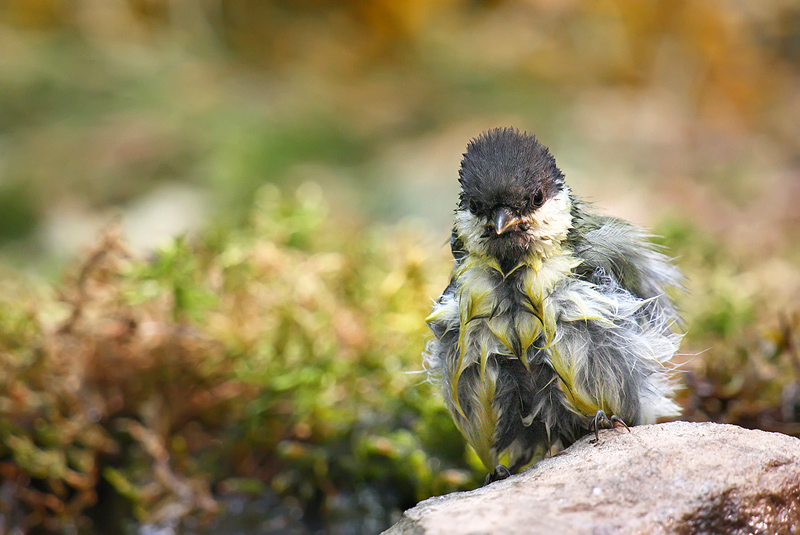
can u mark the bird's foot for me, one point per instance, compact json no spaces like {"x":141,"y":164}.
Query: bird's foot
{"x":500,"y":472}
{"x":601,"y":421}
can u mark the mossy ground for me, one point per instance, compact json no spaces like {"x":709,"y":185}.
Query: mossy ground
{"x":283,"y":355}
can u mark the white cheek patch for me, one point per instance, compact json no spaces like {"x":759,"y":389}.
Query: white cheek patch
{"x":549,"y":225}
{"x":470,"y":229}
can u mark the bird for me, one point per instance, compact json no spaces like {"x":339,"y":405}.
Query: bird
{"x":557,"y":320}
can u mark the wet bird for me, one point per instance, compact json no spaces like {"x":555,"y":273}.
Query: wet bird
{"x":557,"y":320}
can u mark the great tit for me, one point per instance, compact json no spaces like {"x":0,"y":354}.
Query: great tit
{"x":555,"y":316}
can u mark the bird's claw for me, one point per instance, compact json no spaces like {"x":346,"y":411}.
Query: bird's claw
{"x":500,"y":472}
{"x":601,"y":421}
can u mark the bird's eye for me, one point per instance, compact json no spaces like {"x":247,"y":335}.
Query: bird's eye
{"x":473,"y":207}
{"x":538,"y":198}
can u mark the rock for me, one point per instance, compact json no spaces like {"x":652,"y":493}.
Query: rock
{"x":678,"y":478}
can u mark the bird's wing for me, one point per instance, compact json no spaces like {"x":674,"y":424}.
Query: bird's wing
{"x":609,"y":246}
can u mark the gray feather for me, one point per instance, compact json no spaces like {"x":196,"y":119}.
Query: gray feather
{"x":625,"y":252}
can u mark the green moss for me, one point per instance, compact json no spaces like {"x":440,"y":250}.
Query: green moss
{"x":276,"y":353}
{"x":17,"y":213}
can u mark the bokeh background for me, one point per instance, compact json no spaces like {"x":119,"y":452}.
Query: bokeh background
{"x":222,"y":223}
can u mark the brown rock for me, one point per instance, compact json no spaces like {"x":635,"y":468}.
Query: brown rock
{"x":678,"y":478}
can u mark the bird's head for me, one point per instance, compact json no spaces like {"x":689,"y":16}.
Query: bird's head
{"x":513,"y":201}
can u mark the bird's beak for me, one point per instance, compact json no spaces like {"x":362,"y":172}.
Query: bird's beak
{"x":504,"y":220}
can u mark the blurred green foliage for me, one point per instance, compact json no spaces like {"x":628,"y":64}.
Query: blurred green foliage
{"x":17,"y":213}
{"x":741,"y":360}
{"x":283,"y":352}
